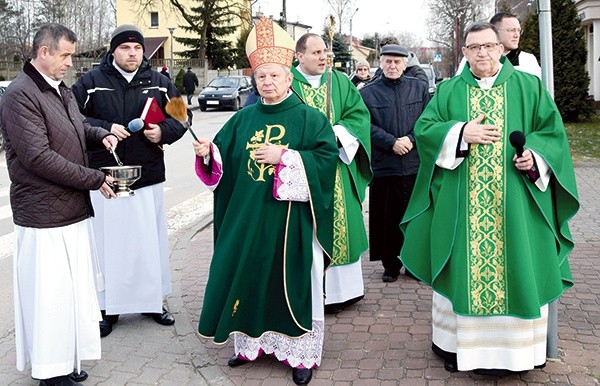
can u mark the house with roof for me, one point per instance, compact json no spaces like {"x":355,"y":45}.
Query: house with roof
{"x":589,"y":13}
{"x":160,"y":23}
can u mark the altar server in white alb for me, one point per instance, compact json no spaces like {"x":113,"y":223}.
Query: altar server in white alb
{"x":56,"y":309}
{"x":131,"y":232}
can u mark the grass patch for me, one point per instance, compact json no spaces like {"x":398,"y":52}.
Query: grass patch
{"x":584,"y":139}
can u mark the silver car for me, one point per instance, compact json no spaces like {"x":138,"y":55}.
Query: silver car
{"x":432,"y":78}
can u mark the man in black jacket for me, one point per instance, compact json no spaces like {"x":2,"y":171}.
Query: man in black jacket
{"x":131,"y":232}
{"x":190,"y":82}
{"x":395,"y":102}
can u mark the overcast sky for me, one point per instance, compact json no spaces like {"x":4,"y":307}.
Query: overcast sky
{"x":383,"y":16}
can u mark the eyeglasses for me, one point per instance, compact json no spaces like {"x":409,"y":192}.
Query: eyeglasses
{"x":513,"y":31}
{"x":475,"y":48}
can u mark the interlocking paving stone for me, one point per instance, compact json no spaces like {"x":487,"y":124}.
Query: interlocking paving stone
{"x":383,"y":340}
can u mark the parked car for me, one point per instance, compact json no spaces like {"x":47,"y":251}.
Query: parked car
{"x":226,"y":92}
{"x":372,"y":71}
{"x":432,"y":77}
{"x":3,"y":86}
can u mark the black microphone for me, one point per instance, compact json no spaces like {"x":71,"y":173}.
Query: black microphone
{"x":135,"y":125}
{"x":517,"y":140}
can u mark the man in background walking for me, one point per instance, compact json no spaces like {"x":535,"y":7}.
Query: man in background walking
{"x":190,"y":82}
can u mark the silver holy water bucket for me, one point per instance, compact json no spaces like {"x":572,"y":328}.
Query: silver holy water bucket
{"x":124,"y":177}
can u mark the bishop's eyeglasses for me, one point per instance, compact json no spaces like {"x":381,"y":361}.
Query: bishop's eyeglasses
{"x":475,"y":48}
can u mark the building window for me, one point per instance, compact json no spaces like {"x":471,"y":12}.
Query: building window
{"x":153,"y":19}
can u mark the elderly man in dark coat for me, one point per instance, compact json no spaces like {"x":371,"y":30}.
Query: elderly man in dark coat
{"x":395,"y":102}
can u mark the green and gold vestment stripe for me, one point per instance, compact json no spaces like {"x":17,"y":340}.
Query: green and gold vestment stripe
{"x":317,"y":98}
{"x":486,"y":208}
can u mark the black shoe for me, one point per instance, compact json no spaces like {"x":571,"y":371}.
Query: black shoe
{"x":236,"y":361}
{"x":105,"y":328}
{"x":59,"y":381}
{"x":166,"y":319}
{"x":301,"y":376}
{"x":451,"y":366}
{"x":496,"y":372}
{"x":78,"y":377}
{"x":113,"y":319}
{"x":388,"y":277}
{"x":448,"y":357}
{"x":333,"y":308}
{"x":107,"y":323}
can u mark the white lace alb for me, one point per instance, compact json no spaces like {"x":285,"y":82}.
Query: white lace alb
{"x":305,"y":350}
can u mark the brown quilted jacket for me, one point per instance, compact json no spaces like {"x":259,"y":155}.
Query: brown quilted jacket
{"x":46,"y":153}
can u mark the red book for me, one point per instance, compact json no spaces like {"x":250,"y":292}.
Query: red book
{"x":152,"y":113}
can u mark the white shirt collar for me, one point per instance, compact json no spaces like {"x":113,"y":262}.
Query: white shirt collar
{"x":127,"y":75}
{"x":487,"y":83}
{"x":314,"y":80}
{"x":276,"y":103}
{"x":52,"y":82}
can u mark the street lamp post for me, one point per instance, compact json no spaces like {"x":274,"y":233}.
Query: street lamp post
{"x":171,"y":30}
{"x":283,"y":15}
{"x":351,"y":48}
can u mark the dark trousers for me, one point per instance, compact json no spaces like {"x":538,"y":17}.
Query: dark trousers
{"x":190,"y":95}
{"x":388,"y":199}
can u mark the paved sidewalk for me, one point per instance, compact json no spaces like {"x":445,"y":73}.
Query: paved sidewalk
{"x":382,"y":340}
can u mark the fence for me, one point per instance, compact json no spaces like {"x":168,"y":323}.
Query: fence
{"x":10,"y":69}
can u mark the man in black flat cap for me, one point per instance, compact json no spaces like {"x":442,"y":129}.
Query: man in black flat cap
{"x":395,"y":102}
{"x":131,"y":232}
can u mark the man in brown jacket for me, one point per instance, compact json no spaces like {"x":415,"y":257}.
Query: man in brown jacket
{"x":56,"y":309}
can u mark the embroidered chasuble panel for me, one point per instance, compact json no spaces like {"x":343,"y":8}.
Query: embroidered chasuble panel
{"x":317,"y":98}
{"x":272,"y":134}
{"x":486,"y":209}
{"x":340,"y":220}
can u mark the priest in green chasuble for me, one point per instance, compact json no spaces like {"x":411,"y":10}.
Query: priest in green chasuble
{"x":351,"y":124}
{"x":487,"y":223}
{"x":272,"y":169}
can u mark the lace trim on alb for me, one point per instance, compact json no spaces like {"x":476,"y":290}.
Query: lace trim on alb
{"x":303,"y":351}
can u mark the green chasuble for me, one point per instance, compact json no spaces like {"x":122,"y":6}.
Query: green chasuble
{"x":483,"y":235}
{"x":349,"y":111}
{"x":260,"y":274}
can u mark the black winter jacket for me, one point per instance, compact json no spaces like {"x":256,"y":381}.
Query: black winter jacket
{"x":190,"y":81}
{"x":105,"y":97}
{"x":45,"y":153}
{"x":395,"y":106}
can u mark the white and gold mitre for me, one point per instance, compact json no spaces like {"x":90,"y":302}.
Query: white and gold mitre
{"x":268,"y":43}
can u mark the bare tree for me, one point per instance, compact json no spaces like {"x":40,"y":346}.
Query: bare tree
{"x":91,"y":20}
{"x":409,"y":40}
{"x":447,"y":22}
{"x":199,"y":15}
{"x":521,"y":8}
{"x":22,"y":26}
{"x":7,"y":49}
{"x":342,"y":9}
